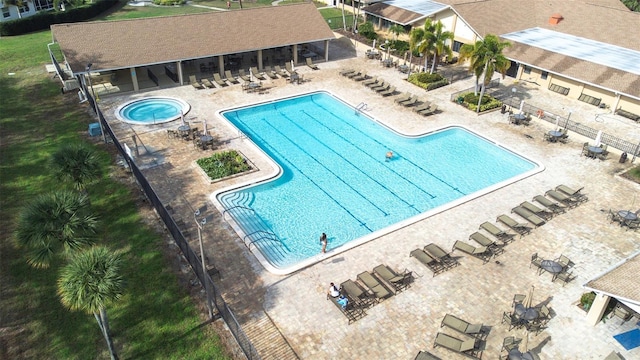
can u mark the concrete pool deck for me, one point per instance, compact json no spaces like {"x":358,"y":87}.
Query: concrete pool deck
{"x":404,"y":324}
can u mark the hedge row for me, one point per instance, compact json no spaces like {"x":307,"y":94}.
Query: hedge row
{"x":44,"y":19}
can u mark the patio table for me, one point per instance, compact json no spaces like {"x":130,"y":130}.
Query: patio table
{"x":206,"y":140}
{"x":594,"y":151}
{"x":516,"y":354}
{"x":551,"y":266}
{"x":526,"y":314}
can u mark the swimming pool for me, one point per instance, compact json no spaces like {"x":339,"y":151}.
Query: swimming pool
{"x":152,"y":110}
{"x":335,"y":177}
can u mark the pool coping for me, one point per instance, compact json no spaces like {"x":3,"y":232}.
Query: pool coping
{"x":278,"y":171}
{"x":186,"y":107}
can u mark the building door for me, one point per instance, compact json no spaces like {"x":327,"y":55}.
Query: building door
{"x":513,"y":69}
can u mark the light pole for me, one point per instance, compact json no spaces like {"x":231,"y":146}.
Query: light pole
{"x":566,"y":124}
{"x":95,"y":101}
{"x":200,"y":224}
{"x":513,"y":93}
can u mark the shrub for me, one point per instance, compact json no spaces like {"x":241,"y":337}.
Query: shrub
{"x":428,"y":81}
{"x":400,"y":46}
{"x":223,"y":164}
{"x":470,"y":101}
{"x":169,"y":2}
{"x":366,"y":29}
{"x":587,"y":299}
{"x":437,"y":84}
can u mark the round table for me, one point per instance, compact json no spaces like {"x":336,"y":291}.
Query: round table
{"x":555,"y":133}
{"x":524,"y":313}
{"x":595,"y":149}
{"x":551,"y":266}
{"x":516,"y":354}
{"x":628,"y":215}
{"x":183,"y":127}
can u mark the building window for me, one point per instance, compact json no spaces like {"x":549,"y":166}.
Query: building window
{"x":5,"y":12}
{"x":24,"y":8}
{"x":527,"y":69}
{"x":43,"y":4}
{"x":544,"y":75}
{"x":456,"y":46}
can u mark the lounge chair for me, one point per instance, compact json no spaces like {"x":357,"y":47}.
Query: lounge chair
{"x":230,"y":77}
{"x":562,"y":198}
{"x":354,"y":74}
{"x":430,"y":111}
{"x":429,"y":261}
{"x":425,"y":355}
{"x":497,"y":232}
{"x":520,"y":228}
{"x":383,"y":86}
{"x":483,"y":253}
{"x":311,"y":64}
{"x":370,"y":81}
{"x":495,"y":248}
{"x":207,"y":83}
{"x":388,"y":92}
{"x":363,"y":76}
{"x":195,"y":83}
{"x":402,"y":98}
{"x":529,"y":216}
{"x":442,"y":256}
{"x":545,"y":214}
{"x":575,"y":194}
{"x":256,"y":74}
{"x":270,"y":73}
{"x":346,"y":72}
{"x":396,"y":280}
{"x":467,"y":347}
{"x":377,"y":83}
{"x":352,"y":311}
{"x":289,"y":68}
{"x":424,"y":106}
{"x":414,"y":100}
{"x":461,"y":326}
{"x":379,"y":290}
{"x":243,"y":75}
{"x":280,"y":72}
{"x":554,"y":207}
{"x":359,"y":295}
{"x":218,"y":80}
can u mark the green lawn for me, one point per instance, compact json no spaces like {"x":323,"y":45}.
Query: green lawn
{"x":156,"y":319}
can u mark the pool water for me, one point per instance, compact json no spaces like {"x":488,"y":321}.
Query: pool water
{"x":152,"y":110}
{"x":336,"y":178}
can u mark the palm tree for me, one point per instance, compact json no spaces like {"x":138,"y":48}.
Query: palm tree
{"x":420,"y":39}
{"x":90,"y":282}
{"x":493,"y":59}
{"x":396,"y":30}
{"x":439,"y":39}
{"x":61,"y":219}
{"x":476,"y":65}
{"x":76,"y":162}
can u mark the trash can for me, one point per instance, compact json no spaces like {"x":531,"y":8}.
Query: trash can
{"x":94,"y":129}
{"x":623,"y":158}
{"x":503,"y":109}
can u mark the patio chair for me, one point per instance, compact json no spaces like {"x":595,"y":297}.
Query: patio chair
{"x":244,"y":75}
{"x":370,"y":81}
{"x":379,"y":290}
{"x":280,"y":72}
{"x":359,"y":295}
{"x":429,"y":261}
{"x":311,"y":65}
{"x":562,"y":198}
{"x":424,"y":106}
{"x":194,"y":82}
{"x":497,"y":232}
{"x":230,"y":77}
{"x":461,"y":326}
{"x":388,"y":92}
{"x":537,"y":262}
{"x":483,"y":253}
{"x":442,"y":256}
{"x":564,"y":276}
{"x":494,"y":247}
{"x":614,"y":216}
{"x":256,"y":74}
{"x":411,"y":102}
{"x":425,"y":355}
{"x":576,"y":194}
{"x":430,"y":111}
{"x":511,"y":320}
{"x":564,"y":261}
{"x":404,"y":97}
{"x":207,"y":83}
{"x":362,"y":77}
{"x":545,"y":214}
{"x":603,"y":155}
{"x":399,"y":281}
{"x":520,"y":228}
{"x":621,"y":312}
{"x":467,"y":347}
{"x":270,"y":73}
{"x":518,"y":299}
{"x":218,"y":80}
{"x":510,"y":342}
{"x":529,"y":216}
{"x":554,"y":207}
{"x":352,"y":311}
{"x":544,"y":314}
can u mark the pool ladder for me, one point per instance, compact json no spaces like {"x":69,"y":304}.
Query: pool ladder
{"x":361,"y":107}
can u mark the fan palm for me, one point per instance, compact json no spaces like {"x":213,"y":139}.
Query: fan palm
{"x":396,"y":30}
{"x":78,"y":163}
{"x":439,"y":39}
{"x":61,"y":219}
{"x":90,"y":282}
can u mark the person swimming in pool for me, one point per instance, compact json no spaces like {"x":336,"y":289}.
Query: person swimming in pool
{"x":389,"y":155}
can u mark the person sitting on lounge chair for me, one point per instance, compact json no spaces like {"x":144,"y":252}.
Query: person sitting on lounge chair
{"x":343,"y":301}
{"x":333,"y":290}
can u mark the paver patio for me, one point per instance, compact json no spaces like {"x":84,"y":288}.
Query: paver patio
{"x":402,"y":325}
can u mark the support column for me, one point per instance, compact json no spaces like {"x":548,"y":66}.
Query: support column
{"x":614,"y":107}
{"x":134,"y":79}
{"x":180,"y":76}
{"x":597,"y":309}
{"x":520,"y":71}
{"x":221,"y":64}
{"x":326,"y":50}
{"x":260,"y":59}
{"x":295,"y":54}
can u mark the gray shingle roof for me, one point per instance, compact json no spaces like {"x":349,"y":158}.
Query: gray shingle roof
{"x":128,"y":43}
{"x":621,"y":281}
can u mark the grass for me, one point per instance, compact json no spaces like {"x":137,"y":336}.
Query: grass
{"x":156,"y":319}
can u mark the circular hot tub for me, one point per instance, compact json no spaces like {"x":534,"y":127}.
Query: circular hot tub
{"x":152,"y":110}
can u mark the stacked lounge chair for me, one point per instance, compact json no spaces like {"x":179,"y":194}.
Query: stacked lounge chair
{"x":529,"y":216}
{"x":399,"y":281}
{"x":429,"y":261}
{"x":377,"y":288}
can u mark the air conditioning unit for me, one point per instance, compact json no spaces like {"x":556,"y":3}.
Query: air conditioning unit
{"x":82,"y":96}
{"x":71,"y":84}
